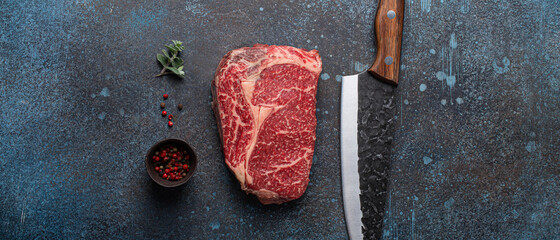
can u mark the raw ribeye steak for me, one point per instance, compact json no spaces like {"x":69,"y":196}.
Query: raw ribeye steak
{"x":264,"y":101}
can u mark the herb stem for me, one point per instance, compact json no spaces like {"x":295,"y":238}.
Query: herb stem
{"x":163,"y":73}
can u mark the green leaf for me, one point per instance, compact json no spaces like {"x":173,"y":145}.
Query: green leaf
{"x":177,"y":62}
{"x":178,"y":45}
{"x":164,"y":52}
{"x":172,"y":49}
{"x":180,"y":68}
{"x":175,"y":42}
{"x":162,"y":59}
{"x":176,"y":71}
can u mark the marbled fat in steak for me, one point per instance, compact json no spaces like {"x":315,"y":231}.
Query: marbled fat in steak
{"x":264,"y":101}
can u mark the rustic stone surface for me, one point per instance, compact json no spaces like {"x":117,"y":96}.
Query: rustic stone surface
{"x":475,"y":150}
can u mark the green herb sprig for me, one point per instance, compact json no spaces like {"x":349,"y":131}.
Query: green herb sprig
{"x":171,"y":62}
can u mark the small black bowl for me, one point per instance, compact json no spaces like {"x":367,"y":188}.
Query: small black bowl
{"x":151,"y":168}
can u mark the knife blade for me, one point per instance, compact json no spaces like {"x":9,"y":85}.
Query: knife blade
{"x":367,"y":127}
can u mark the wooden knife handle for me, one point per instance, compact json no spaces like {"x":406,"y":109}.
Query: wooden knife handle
{"x":388,"y":32}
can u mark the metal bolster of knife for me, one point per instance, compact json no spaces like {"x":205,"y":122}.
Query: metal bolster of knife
{"x":388,"y":31}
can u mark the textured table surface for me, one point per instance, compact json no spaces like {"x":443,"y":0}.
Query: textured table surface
{"x":475,"y":152}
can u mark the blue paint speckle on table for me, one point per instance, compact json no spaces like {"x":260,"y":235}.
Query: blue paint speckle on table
{"x":104,"y":92}
{"x":423,"y":87}
{"x":503,"y":68}
{"x":338,"y":78}
{"x":102,"y":115}
{"x":215,"y":225}
{"x":360,"y":67}
{"x":531,"y":146}
{"x":81,"y":108}
{"x":449,"y":203}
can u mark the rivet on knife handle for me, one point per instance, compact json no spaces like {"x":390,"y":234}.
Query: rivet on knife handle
{"x":388,"y":33}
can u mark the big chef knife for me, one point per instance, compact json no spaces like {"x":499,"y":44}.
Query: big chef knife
{"x":367,"y":118}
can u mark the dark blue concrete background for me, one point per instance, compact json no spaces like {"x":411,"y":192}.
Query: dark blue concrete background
{"x":476,"y":149}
